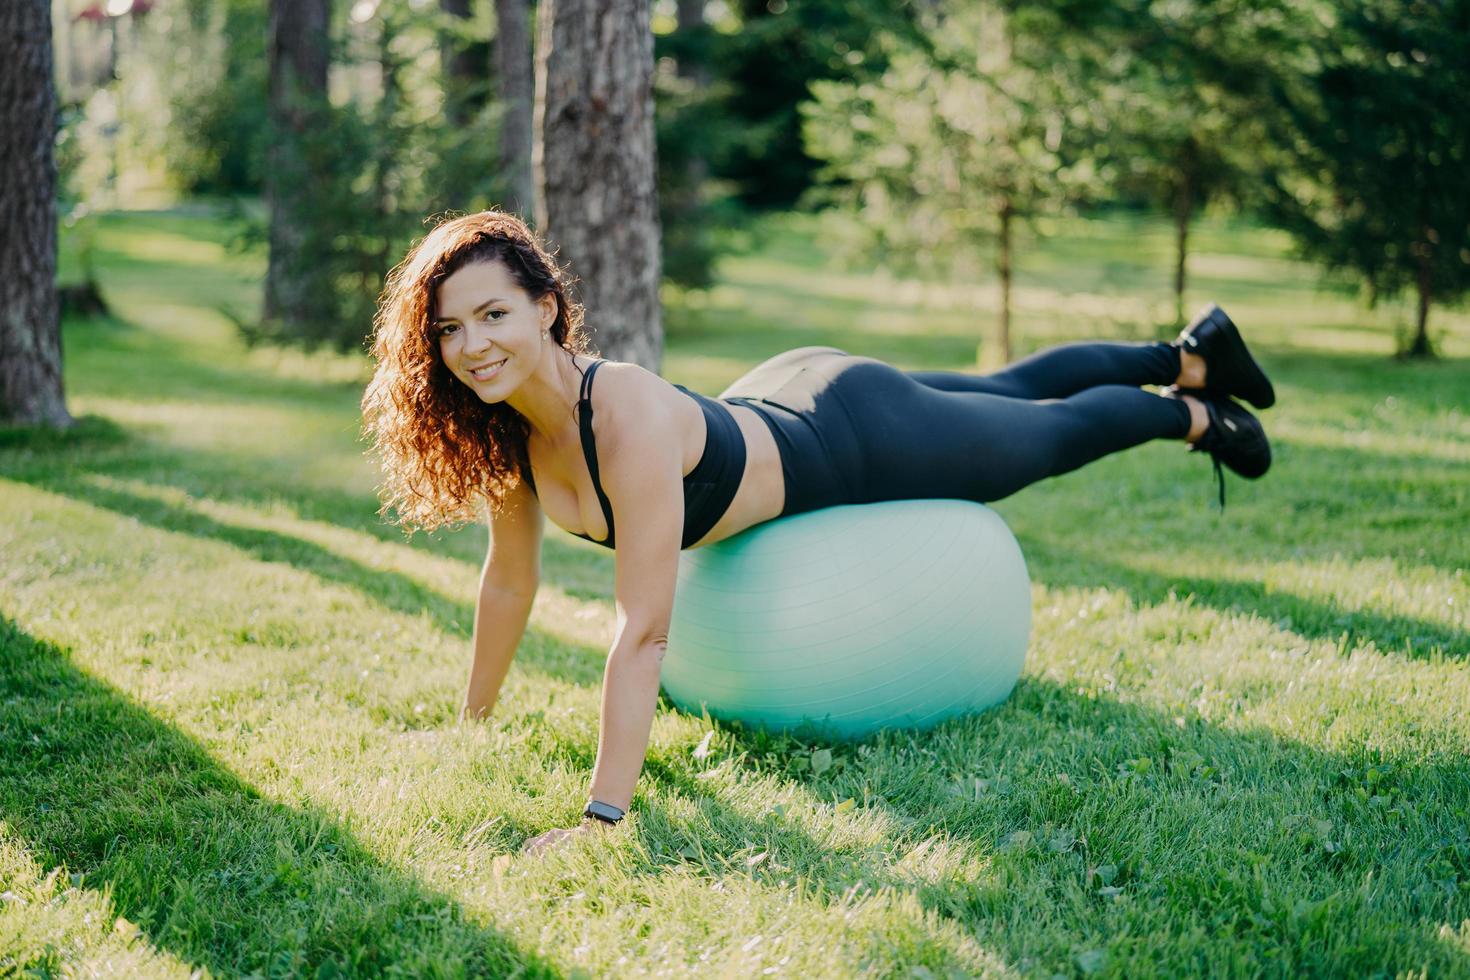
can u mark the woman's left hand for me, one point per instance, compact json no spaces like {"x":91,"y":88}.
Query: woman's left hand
{"x":543,"y":843}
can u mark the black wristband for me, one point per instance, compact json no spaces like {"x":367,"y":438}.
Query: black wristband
{"x":605,"y":812}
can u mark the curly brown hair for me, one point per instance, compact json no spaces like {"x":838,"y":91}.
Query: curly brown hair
{"x":443,"y":449}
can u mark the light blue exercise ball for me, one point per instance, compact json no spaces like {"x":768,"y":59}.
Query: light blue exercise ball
{"x":851,"y":619}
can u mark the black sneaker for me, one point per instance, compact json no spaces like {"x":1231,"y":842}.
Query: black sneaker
{"x":1235,"y":437}
{"x":1229,"y":367}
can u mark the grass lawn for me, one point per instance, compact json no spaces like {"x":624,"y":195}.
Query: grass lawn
{"x":228,"y":692}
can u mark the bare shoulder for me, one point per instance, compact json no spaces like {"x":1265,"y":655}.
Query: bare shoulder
{"x":631,"y":401}
{"x":641,"y":475}
{"x":629,"y":380}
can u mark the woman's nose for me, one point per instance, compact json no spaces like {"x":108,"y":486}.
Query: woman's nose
{"x":477,"y":338}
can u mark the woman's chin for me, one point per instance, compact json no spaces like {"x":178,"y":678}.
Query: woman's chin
{"x":488,"y":392}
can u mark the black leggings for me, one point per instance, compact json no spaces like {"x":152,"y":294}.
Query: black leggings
{"x":854,"y":429}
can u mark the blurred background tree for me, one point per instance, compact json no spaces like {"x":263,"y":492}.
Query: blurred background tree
{"x":1375,"y":142}
{"x":967,"y":130}
{"x":764,"y":56}
{"x":298,"y":295}
{"x":940,"y":130}
{"x":210,"y":56}
{"x":515,"y":79}
{"x":1179,"y":86}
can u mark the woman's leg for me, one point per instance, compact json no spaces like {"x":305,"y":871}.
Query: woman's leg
{"x":921,"y":442}
{"x":1066,"y":369}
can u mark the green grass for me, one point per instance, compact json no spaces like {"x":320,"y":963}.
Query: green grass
{"x":228,"y":692}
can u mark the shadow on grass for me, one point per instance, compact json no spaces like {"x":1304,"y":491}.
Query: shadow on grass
{"x":1318,"y":503}
{"x":394,"y":591}
{"x":1225,"y":849}
{"x":1441,"y":384}
{"x":132,"y":351}
{"x":53,"y":461}
{"x":1308,"y":617}
{"x":212,"y":872}
{"x":1260,"y":884}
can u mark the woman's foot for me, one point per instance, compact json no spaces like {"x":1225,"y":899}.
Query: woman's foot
{"x":1230,"y":434}
{"x":1223,"y":366}
{"x":1199,"y":416}
{"x":1192,"y":373}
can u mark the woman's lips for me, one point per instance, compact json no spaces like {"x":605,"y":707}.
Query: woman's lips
{"x":490,"y":371}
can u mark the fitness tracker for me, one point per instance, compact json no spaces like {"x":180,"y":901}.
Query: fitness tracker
{"x":605,"y":812}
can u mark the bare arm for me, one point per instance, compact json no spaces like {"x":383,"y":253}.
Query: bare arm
{"x":641,"y":474}
{"x":500,"y":622}
{"x":644,"y":485}
{"x":508,"y":585}
{"x":629,"y":696}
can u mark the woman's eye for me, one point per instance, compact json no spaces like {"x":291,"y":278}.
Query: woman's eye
{"x":448,"y":328}
{"x":495,"y":313}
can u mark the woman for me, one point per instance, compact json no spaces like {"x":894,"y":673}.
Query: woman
{"x":483,"y":396}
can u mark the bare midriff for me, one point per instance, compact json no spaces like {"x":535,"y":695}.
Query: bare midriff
{"x":762,"y":491}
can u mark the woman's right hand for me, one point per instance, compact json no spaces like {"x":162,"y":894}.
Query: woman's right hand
{"x":470,"y":712}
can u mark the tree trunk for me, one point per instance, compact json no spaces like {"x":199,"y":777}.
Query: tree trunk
{"x":691,"y":20}
{"x":386,"y":155}
{"x":515,"y":81}
{"x":1003,"y":268}
{"x":1183,"y":211}
{"x":1424,"y":284}
{"x":595,"y":160}
{"x":1186,"y":198}
{"x":30,"y":320}
{"x":465,"y":66}
{"x":294,"y":293}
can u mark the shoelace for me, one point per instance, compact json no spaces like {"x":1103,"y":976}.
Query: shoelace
{"x":1209,"y":442}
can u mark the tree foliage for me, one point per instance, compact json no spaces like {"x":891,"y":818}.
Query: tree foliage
{"x":208,"y":60}
{"x":939,"y":125}
{"x":967,"y":129}
{"x":1375,"y":144}
{"x":381,"y":161}
{"x":762,"y":59}
{"x":1180,"y":127}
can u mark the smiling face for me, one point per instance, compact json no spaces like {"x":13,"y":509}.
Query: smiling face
{"x":489,"y":328}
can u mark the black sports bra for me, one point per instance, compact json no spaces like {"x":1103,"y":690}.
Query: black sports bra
{"x":708,"y":488}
